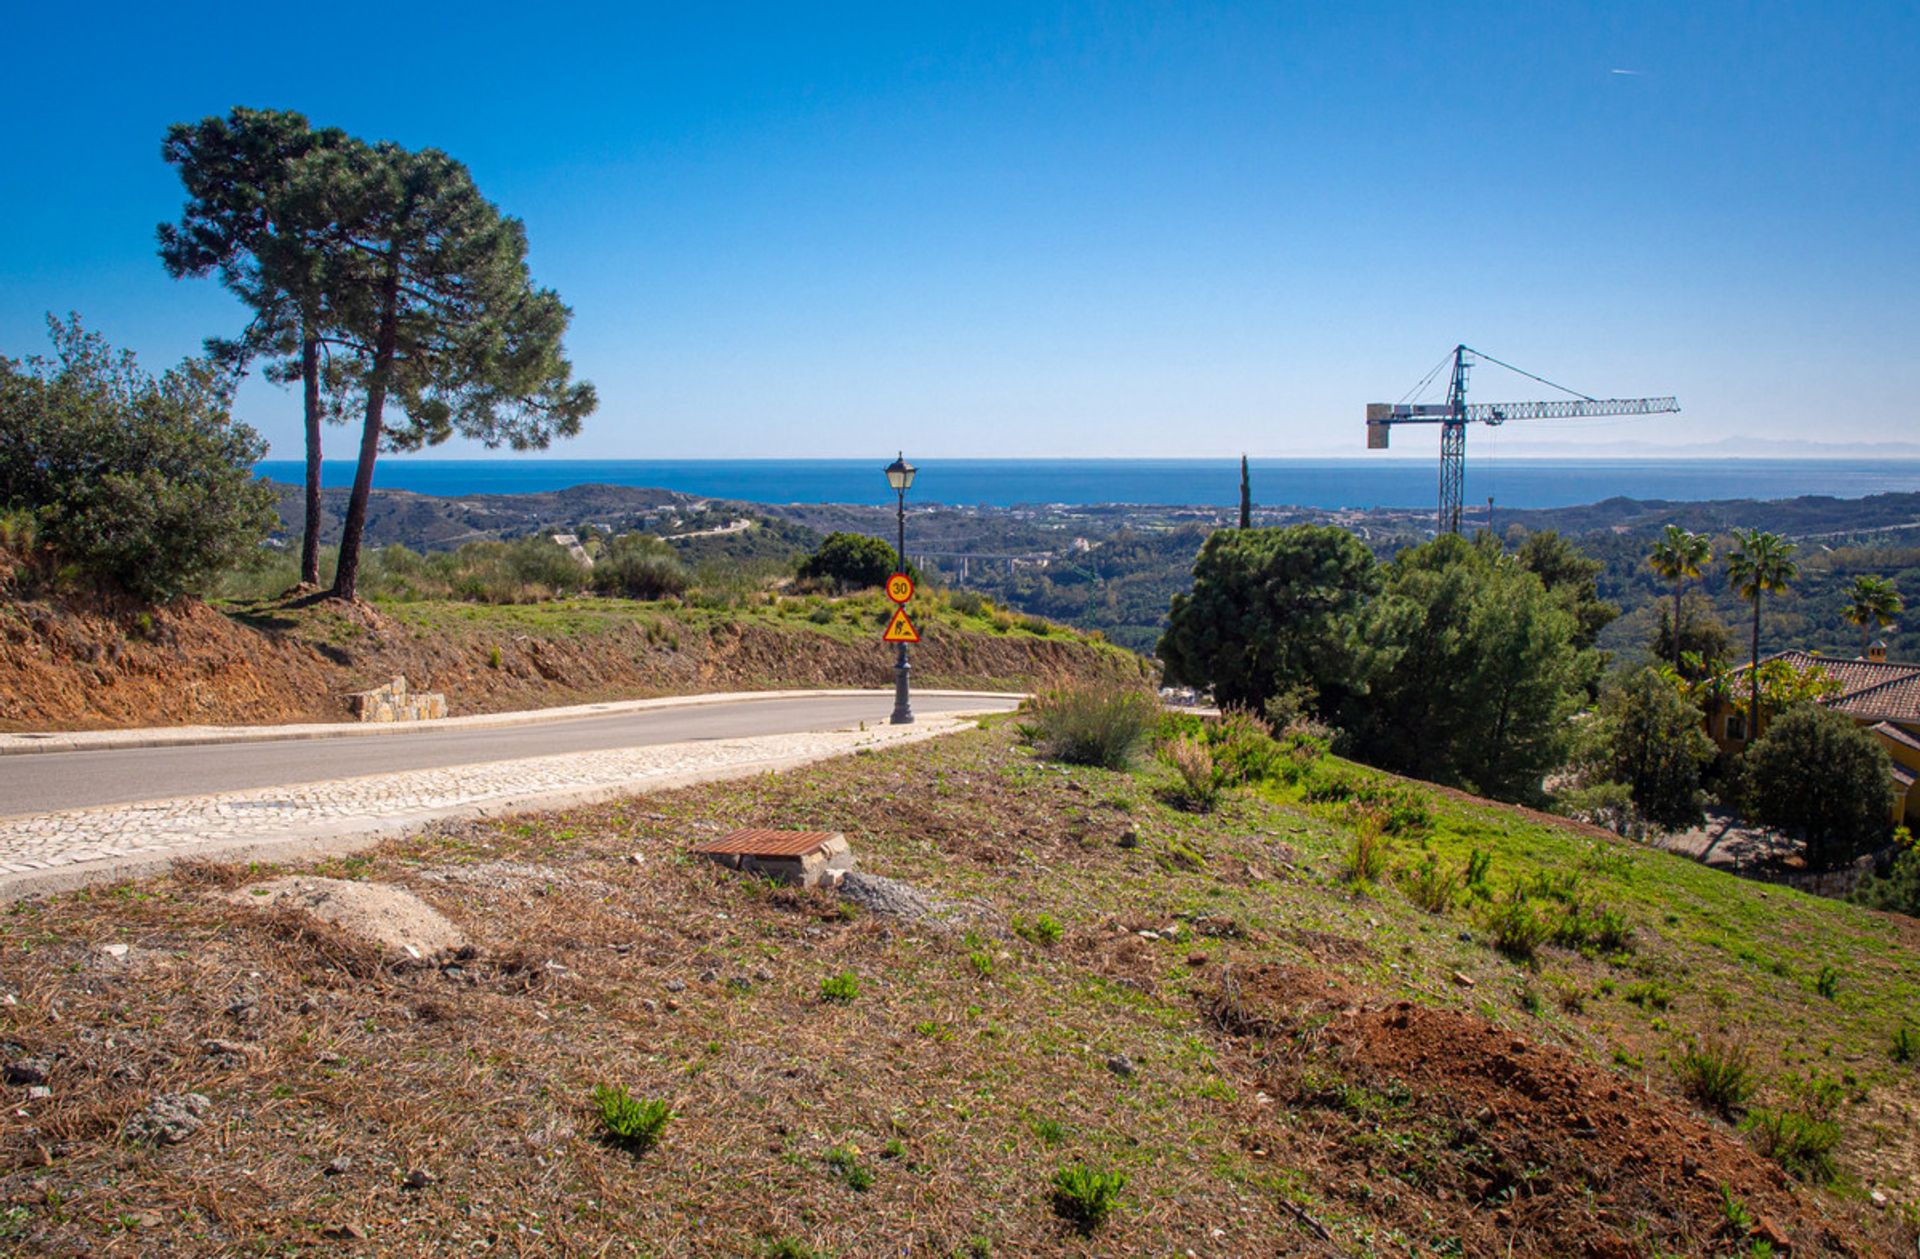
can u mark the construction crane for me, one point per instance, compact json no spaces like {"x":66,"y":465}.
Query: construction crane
{"x":1456,"y":413}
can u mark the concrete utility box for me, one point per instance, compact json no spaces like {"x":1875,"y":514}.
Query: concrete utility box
{"x":808,"y":858}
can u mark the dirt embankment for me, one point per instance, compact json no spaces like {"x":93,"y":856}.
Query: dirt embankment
{"x":90,"y":666}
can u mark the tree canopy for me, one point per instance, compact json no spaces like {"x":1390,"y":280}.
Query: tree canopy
{"x":1649,"y":737}
{"x":1273,"y":612}
{"x":1818,"y":776}
{"x":850,"y":561}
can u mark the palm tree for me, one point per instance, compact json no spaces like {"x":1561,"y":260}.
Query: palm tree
{"x":1875,"y":604}
{"x":1679,"y":555}
{"x":1761,"y":563}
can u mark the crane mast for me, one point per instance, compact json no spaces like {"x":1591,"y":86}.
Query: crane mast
{"x":1456,"y":413}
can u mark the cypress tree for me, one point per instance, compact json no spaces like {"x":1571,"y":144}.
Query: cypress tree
{"x":1246,"y":496}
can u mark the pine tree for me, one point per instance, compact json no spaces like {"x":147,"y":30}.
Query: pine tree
{"x":269,"y":249}
{"x":434,"y":292}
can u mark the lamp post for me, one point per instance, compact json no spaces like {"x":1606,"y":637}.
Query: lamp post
{"x":900,"y":477}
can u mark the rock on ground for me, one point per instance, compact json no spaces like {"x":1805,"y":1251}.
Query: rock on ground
{"x":881,"y":895}
{"x":391,"y":917}
{"x":170,"y":1118}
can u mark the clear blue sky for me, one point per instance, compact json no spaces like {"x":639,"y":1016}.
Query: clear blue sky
{"x":1081,"y":230}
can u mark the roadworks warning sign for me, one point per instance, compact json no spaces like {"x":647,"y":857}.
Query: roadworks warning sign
{"x":900,"y":629}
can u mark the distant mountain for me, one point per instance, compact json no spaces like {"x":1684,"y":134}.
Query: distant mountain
{"x":1515,"y":445}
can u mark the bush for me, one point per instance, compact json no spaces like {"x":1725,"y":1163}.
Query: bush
{"x":851,"y":561}
{"x":629,"y":1121}
{"x":1367,"y":850}
{"x":1801,"y":1143}
{"x":1197,"y":778}
{"x":846,"y":1165}
{"x":1518,"y":926}
{"x":1650,"y":739}
{"x":139,"y":484}
{"x":1898,"y":888}
{"x":1093,"y":723}
{"x":1085,"y":1198}
{"x":1243,"y":746}
{"x":635,"y":566}
{"x":1816,"y":775}
{"x":1043,"y":930}
{"x":1432,"y":885}
{"x":1718,"y":1074}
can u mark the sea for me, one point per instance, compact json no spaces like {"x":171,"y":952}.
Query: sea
{"x":1323,"y":483}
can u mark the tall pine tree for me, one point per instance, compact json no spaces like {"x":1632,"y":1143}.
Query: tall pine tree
{"x":270,"y":249}
{"x":1246,"y":496}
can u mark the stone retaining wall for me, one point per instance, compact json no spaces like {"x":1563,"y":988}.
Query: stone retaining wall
{"x":393,"y":702}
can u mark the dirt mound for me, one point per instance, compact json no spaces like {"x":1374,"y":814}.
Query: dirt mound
{"x":395,"y":920}
{"x":93,"y":664}
{"x":1471,"y":1135}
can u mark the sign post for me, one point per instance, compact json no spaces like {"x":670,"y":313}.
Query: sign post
{"x":900,"y":630}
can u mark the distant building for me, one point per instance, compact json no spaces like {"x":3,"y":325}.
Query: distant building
{"x":1881,"y":694}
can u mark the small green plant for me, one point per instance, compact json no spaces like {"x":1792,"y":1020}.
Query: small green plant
{"x":1367,"y":850}
{"x":1432,"y":885}
{"x":1719,"y":1074}
{"x":1650,"y":995}
{"x":894,"y":1149}
{"x":1084,"y":1197}
{"x":1044,"y":929}
{"x":1050,"y":1131}
{"x":493,"y":657}
{"x":1479,"y":865}
{"x":844,"y":1163}
{"x":792,"y":1248}
{"x":933,"y":1030}
{"x":842,"y":988}
{"x":1828,"y":983}
{"x":982,"y":963}
{"x":1739,"y":1219}
{"x":1518,"y":926}
{"x":1906,"y":1046}
{"x":1801,"y":1143}
{"x":628,"y":1120}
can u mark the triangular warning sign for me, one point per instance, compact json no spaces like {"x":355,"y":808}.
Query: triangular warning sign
{"x":900,"y":629}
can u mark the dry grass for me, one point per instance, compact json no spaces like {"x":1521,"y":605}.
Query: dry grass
{"x":962,"y":1093}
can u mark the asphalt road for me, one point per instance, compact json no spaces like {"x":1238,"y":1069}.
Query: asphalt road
{"x":51,"y":781}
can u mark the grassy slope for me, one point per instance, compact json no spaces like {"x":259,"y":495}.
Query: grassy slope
{"x":966,"y":1071}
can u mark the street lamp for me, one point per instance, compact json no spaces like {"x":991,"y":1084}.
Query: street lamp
{"x":900,"y":477}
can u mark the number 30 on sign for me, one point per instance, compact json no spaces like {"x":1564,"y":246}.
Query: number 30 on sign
{"x":899,"y":587}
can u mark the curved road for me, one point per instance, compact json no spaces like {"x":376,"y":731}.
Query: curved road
{"x":53,"y":781}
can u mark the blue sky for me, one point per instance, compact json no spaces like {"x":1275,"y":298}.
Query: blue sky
{"x":1065,"y":230}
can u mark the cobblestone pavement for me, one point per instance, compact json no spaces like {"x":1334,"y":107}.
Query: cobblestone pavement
{"x":47,"y":851}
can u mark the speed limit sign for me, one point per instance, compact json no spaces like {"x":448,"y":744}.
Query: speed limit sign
{"x":899,"y":587}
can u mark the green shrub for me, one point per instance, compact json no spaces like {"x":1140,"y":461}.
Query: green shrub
{"x":1432,"y":885}
{"x":851,"y":561}
{"x":1649,"y":995}
{"x":792,"y":1248}
{"x":1518,"y":926}
{"x":1906,"y":1046}
{"x":133,"y":482}
{"x":1818,"y":776}
{"x":1479,"y":865}
{"x":1367,"y":847}
{"x":843,"y":987}
{"x":1898,"y":888}
{"x":1243,"y":747}
{"x":1086,"y":1198}
{"x":636,"y":566}
{"x":1827,"y":983}
{"x":1801,"y":1143}
{"x":628,"y":1120}
{"x":1718,"y":1074}
{"x":1093,"y":723}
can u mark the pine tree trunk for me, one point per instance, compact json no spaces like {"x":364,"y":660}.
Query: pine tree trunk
{"x":346,"y":577}
{"x":310,"y":384}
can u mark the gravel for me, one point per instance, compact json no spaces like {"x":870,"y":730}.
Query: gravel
{"x":170,"y":1118}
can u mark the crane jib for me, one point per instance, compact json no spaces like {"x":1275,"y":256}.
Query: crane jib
{"x":1496,"y":412}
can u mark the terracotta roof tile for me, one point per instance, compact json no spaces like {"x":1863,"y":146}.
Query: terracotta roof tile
{"x":1895,"y":698}
{"x":1902,"y":777}
{"x":760,"y":842}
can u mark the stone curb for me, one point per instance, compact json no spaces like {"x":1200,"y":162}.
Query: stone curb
{"x":338,"y":838}
{"x":187,"y":736}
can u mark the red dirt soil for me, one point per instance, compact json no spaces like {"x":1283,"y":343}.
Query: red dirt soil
{"x":91,"y":666}
{"x":1449,"y":1126}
